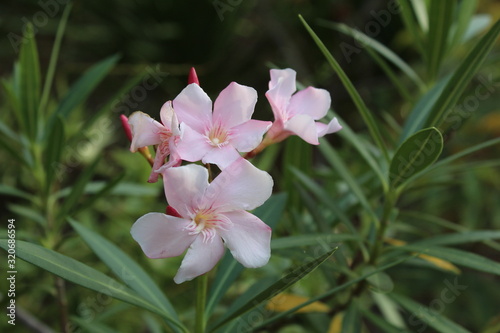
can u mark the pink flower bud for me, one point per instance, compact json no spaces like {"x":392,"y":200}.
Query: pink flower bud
{"x":126,"y":126}
{"x":193,"y":78}
{"x":172,"y":212}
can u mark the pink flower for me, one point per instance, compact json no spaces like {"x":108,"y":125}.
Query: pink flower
{"x":297,"y":114}
{"x":146,"y":132}
{"x":212,"y":215}
{"x":218,"y":137}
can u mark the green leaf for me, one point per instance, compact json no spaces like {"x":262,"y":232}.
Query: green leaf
{"x":466,"y":10}
{"x":29,"y":83}
{"x":358,"y":101}
{"x":351,"y":322}
{"x":422,"y":109}
{"x":28,"y":213}
{"x":459,"y":257}
{"x":108,"y":188}
{"x":79,"y":273}
{"x":421,"y":316}
{"x":381,"y":323}
{"x":415,"y":154}
{"x":412,"y":25}
{"x":82,"y":88}
{"x":229,"y":269}
{"x":380,"y":48}
{"x":440,"y":19}
{"x":277,"y":287}
{"x":127,"y":270}
{"x":461,"y":77}
{"x":461,"y":238}
{"x":49,"y":77}
{"x":12,"y":191}
{"x":310,"y":240}
{"x":53,"y":150}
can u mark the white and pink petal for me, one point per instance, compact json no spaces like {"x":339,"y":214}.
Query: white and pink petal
{"x":311,"y":101}
{"x":193,"y":107}
{"x":303,"y":126}
{"x":145,"y":130}
{"x":234,"y":105}
{"x":200,"y":258}
{"x":162,"y":236}
{"x":248,"y":239}
{"x":248,"y":136}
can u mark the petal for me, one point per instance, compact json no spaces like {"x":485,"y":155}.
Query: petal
{"x":332,"y":127}
{"x":239,"y":186}
{"x":310,"y":101}
{"x":145,"y":130}
{"x":249,"y":239}
{"x":200,"y":258}
{"x":222,"y":156}
{"x":235,"y":105}
{"x":183,"y":186}
{"x":281,"y":88}
{"x":162,"y":236}
{"x":303,"y":126}
{"x":248,"y":136}
{"x":166,"y":114}
{"x":192,"y":146}
{"x":194,"y":107}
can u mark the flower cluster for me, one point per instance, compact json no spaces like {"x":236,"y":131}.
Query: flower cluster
{"x":204,"y":217}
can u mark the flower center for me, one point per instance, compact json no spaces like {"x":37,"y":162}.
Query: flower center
{"x":165,"y":136}
{"x":217,"y":136}
{"x":206,"y":222}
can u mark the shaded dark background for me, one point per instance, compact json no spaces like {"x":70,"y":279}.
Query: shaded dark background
{"x":227,"y":40}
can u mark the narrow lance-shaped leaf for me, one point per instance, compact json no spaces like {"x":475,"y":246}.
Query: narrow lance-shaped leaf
{"x":462,"y":76}
{"x":415,"y":154}
{"x":29,"y":82}
{"x":79,"y":273}
{"x":276,"y":288}
{"x":422,"y":316}
{"x":53,"y":150}
{"x":127,"y":270}
{"x":440,"y":18}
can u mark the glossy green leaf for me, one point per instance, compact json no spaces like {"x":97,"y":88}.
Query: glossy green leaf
{"x":351,"y":322}
{"x":78,"y":273}
{"x":29,"y":83}
{"x":53,"y":150}
{"x":277,"y":287}
{"x":440,"y":18}
{"x":459,"y":257}
{"x":383,"y":325}
{"x":417,"y":153}
{"x":356,"y":97}
{"x":15,"y":192}
{"x":127,"y":270}
{"x":422,"y":316}
{"x":28,"y":213}
{"x":229,"y":269}
{"x":380,"y":48}
{"x":461,"y":77}
{"x":105,"y":190}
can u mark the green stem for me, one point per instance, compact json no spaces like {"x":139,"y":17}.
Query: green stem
{"x":390,"y":201}
{"x":201,"y":300}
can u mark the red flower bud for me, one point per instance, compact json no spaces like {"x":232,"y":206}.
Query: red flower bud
{"x":126,"y":126}
{"x":193,"y":78}
{"x":172,"y":212}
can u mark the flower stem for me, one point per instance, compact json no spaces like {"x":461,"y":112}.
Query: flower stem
{"x":201,"y":298}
